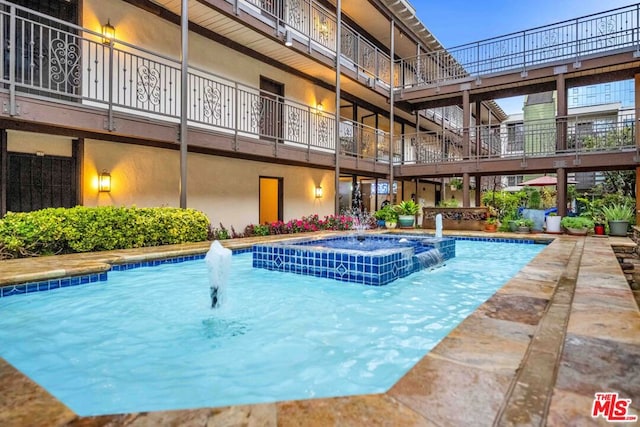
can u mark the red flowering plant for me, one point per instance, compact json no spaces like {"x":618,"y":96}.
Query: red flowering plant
{"x":277,"y":227}
{"x":305,"y":224}
{"x":339,"y":222}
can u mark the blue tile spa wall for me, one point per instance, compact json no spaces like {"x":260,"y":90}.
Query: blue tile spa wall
{"x":370,"y":267}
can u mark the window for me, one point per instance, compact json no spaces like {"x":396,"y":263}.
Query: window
{"x":514,"y":180}
{"x":515,"y":137}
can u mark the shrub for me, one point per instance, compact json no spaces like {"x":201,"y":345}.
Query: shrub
{"x":524,"y":222}
{"x":576,"y":222}
{"x":451,"y":203}
{"x":84,"y":229}
{"x":388,"y":213}
{"x":256,"y":230}
{"x":504,"y":203}
{"x":534,"y":201}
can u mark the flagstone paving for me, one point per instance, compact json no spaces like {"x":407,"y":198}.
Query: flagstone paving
{"x":563,"y":328}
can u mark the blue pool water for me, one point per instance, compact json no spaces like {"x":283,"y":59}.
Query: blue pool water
{"x":373,"y":244}
{"x":147,"y":340}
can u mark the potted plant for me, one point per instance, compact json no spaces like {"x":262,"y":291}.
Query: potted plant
{"x":553,"y":223}
{"x":380,"y":216}
{"x":491,"y":224}
{"x":599,"y":222}
{"x":390,"y":216}
{"x":577,"y":225}
{"x":407,"y":211}
{"x":593,"y":210}
{"x":598,"y":229}
{"x":523,"y":225}
{"x":534,"y":210}
{"x":618,"y":215}
{"x":455,"y":184}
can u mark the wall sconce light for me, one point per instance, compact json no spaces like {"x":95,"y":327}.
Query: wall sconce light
{"x":288,"y":39}
{"x":318,"y":192}
{"x":108,"y":33}
{"x":104,"y":182}
{"x":320,"y":107}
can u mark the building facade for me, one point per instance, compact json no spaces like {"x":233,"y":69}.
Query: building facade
{"x":254,"y":111}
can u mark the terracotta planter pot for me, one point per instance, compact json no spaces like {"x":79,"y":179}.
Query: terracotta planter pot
{"x":491,"y":228}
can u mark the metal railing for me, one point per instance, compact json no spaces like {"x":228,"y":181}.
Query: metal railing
{"x":312,"y":20}
{"x":365,"y":56}
{"x":365,"y":142}
{"x":540,"y":138}
{"x":565,"y":41}
{"x":56,"y":60}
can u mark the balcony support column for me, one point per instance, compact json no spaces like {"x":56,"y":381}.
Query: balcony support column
{"x":561,"y":115}
{"x":478,"y":105}
{"x":561,"y":188}
{"x":337,"y":114}
{"x":478,"y":180}
{"x":637,"y":136}
{"x":13,"y":111}
{"x":4,"y":173}
{"x":466,"y":123}
{"x":466,"y":183}
{"x":391,"y":106}
{"x":184,"y":99}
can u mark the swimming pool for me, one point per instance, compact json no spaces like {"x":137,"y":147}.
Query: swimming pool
{"x":146,"y":339}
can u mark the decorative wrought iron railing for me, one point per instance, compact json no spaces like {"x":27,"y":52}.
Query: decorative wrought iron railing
{"x":564,"y":41}
{"x":540,"y":138}
{"x":358,"y":140}
{"x":53,"y":59}
{"x":365,"y":56}
{"x":310,"y":19}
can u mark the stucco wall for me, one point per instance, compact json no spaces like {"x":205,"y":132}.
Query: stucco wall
{"x":49,"y":145}
{"x":225,"y":189}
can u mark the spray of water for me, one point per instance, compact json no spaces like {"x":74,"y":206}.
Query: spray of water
{"x":218,"y":261}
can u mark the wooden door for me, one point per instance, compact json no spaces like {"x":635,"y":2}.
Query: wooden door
{"x":271,"y":199}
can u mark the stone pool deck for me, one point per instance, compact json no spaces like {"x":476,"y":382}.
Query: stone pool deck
{"x":563,"y":328}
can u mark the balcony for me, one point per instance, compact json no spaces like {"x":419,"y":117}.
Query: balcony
{"x":63,"y":63}
{"x":563,"y":42}
{"x":306,"y":25}
{"x":533,"y":139}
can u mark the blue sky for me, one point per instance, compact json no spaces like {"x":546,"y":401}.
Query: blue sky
{"x":457,"y":22}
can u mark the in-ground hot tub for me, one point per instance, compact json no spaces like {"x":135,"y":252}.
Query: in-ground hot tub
{"x":367,"y":259}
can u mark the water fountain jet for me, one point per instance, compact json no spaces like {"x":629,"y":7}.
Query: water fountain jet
{"x":439,"y":225}
{"x":218,"y":261}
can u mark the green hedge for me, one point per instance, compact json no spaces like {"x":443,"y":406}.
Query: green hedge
{"x":83,"y":229}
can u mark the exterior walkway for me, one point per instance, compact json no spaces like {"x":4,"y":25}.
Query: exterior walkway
{"x":563,"y":328}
